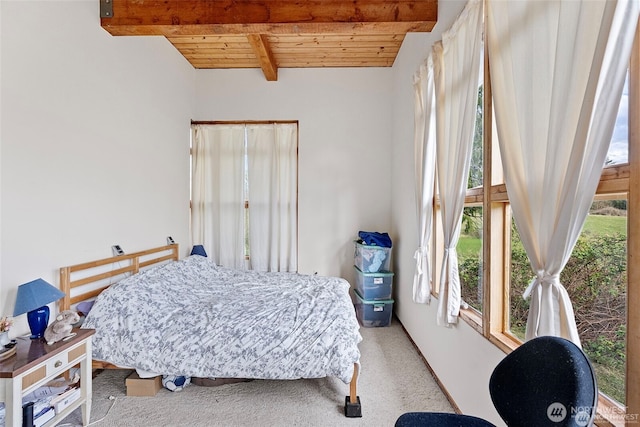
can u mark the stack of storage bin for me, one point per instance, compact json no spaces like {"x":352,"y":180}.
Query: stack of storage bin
{"x":374,"y":285}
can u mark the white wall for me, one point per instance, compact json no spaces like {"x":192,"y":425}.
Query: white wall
{"x":94,"y":141}
{"x":461,"y":358}
{"x":344,"y":148}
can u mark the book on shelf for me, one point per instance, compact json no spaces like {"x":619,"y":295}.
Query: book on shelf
{"x":63,"y":400}
{"x":45,"y":416}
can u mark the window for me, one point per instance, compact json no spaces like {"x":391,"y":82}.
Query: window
{"x":470,"y":243}
{"x":244,"y":193}
{"x":598,"y":278}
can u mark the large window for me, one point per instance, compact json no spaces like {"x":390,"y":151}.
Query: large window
{"x":600,"y":281}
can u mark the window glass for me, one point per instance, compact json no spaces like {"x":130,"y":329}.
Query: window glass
{"x":619,"y":147}
{"x":470,"y":257}
{"x":520,"y":276}
{"x":470,"y":243}
{"x":245,"y":189}
{"x":475,"y":169}
{"x":596,"y":279}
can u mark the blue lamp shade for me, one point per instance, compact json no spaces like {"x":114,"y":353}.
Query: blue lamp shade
{"x":198,"y":250}
{"x":32,"y":299}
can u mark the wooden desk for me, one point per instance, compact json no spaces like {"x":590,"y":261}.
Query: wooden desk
{"x":35,"y":364}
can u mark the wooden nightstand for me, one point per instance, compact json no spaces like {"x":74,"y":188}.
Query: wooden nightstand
{"x":36,"y":363}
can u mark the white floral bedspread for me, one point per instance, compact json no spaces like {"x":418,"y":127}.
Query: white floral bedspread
{"x":191,"y":317}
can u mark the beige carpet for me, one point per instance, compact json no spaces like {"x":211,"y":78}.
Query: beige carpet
{"x":393,"y":380}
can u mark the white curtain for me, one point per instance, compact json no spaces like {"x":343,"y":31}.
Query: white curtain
{"x":557,"y":72}
{"x":425,"y":154}
{"x":254,"y":162}
{"x":456,"y":62}
{"x":217,"y":197}
{"x":272,"y":175}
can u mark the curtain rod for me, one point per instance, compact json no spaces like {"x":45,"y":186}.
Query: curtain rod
{"x":243,"y":122}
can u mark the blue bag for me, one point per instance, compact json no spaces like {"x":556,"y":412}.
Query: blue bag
{"x":375,"y":239}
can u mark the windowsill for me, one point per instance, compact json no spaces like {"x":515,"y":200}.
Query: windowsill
{"x":612,"y":414}
{"x":504,"y":342}
{"x":473,"y":318}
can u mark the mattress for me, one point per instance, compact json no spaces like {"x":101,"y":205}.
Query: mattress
{"x":194,"y":318}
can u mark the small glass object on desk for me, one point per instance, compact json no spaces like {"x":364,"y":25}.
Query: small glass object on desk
{"x":4,"y":339}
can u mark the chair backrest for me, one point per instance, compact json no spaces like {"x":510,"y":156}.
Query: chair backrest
{"x":439,"y":419}
{"x":547,"y":381}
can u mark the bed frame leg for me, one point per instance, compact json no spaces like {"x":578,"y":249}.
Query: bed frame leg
{"x":352,"y":407}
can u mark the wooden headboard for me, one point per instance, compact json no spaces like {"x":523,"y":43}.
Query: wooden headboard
{"x":98,"y":275}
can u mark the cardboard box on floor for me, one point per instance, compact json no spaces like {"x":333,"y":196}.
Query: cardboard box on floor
{"x":137,"y":386}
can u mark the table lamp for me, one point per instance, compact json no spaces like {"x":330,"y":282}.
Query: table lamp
{"x":198,"y":250}
{"x":32,"y":299}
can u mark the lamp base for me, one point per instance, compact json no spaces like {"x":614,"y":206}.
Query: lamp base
{"x":38,"y":320}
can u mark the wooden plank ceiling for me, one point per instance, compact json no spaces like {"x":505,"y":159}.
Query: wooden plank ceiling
{"x":273,"y":34}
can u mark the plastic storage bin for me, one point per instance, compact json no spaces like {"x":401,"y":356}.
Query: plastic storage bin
{"x":371,"y":259}
{"x":372,"y":313}
{"x":374,"y":286}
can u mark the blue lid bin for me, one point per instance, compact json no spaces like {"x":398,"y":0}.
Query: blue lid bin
{"x":373,"y":313}
{"x":374,"y":286}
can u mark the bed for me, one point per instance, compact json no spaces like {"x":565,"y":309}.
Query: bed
{"x":162,"y":315}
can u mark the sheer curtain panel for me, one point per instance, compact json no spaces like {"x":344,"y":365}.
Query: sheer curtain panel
{"x":456,"y":62}
{"x":217,"y":196}
{"x":272,"y":176}
{"x":425,"y":154}
{"x":557,"y":72}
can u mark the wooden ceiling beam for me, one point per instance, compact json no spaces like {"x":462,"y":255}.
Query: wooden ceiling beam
{"x":260,"y":46}
{"x":209,"y":17}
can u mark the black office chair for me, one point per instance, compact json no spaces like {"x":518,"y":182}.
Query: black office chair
{"x":547,"y":381}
